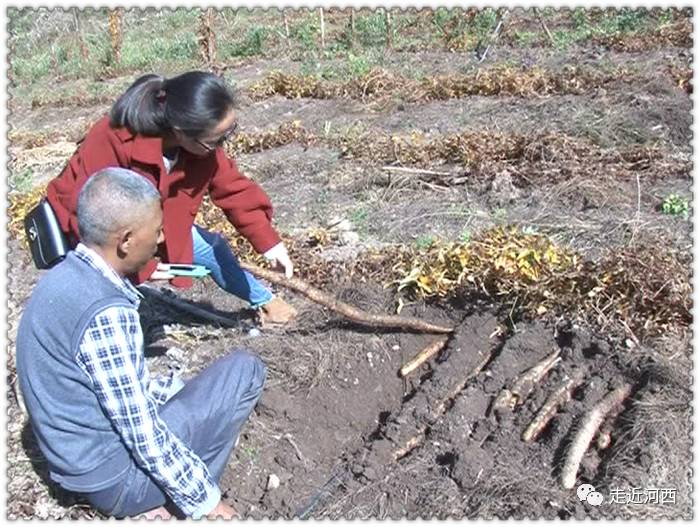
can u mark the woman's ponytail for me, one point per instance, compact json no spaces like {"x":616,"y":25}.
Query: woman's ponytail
{"x":192,"y":102}
{"x":141,"y":108}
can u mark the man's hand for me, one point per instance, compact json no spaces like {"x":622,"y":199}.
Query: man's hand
{"x":279,"y":258}
{"x":223,"y":511}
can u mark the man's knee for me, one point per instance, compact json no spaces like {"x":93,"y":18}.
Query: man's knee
{"x":248,"y":365}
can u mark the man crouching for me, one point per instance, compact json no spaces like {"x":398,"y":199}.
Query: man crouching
{"x":129,"y":443}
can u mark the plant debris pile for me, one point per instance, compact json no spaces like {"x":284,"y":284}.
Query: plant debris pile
{"x":644,"y":290}
{"x":499,"y":80}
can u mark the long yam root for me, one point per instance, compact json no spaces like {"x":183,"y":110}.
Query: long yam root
{"x":559,"y":397}
{"x":440,"y":408}
{"x":604,"y":436}
{"x":350,"y":312}
{"x":590,"y":423}
{"x":423,"y":356}
{"x":509,"y":398}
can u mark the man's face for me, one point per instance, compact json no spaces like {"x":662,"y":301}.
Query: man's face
{"x":144,"y":239}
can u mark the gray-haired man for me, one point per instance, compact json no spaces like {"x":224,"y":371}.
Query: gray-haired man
{"x":128,"y":442}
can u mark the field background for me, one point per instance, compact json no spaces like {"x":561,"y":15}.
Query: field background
{"x":523,"y":176}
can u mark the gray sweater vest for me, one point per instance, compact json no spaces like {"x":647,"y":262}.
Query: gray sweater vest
{"x":83,"y":450}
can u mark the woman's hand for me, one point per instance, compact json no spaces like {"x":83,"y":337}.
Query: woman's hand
{"x":279,"y":259}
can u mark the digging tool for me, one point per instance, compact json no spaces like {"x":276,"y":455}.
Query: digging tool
{"x":193,"y":271}
{"x":187,"y":307}
{"x":348,"y":311}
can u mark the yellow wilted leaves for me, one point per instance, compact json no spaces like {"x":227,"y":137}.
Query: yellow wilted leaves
{"x":20,"y":205}
{"x":502,"y":260}
{"x":437,"y":270}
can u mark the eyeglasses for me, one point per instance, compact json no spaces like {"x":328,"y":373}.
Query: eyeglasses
{"x":210,"y":147}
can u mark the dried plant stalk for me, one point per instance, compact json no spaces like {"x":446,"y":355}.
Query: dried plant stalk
{"x":350,"y":312}
{"x":206,"y":37}
{"x":423,"y":356}
{"x":116,"y":33}
{"x":590,"y":423}
{"x":556,"y":399}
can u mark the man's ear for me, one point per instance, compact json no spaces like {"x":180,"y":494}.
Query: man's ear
{"x":124,"y":241}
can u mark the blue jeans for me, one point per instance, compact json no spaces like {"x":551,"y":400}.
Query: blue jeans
{"x":213,"y":252}
{"x":207,"y":415}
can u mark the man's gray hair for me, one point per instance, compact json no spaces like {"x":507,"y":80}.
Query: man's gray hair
{"x":110,"y":200}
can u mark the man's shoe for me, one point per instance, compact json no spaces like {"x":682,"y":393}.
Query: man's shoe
{"x":277,"y":311}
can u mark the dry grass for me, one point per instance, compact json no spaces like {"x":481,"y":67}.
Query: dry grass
{"x":498,"y":80}
{"x":654,"y":445}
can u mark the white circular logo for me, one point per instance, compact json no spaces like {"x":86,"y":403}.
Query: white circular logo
{"x":594,"y":498}
{"x":584,"y":490}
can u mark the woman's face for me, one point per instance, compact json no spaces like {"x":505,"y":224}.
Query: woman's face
{"x":208,"y":142}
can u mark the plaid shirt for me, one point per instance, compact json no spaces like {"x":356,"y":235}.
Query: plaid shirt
{"x":111,"y":354}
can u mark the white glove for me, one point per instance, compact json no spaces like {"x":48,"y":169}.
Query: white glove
{"x":278,"y":257}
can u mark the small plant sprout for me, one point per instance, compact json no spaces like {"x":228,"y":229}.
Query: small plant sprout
{"x":425,"y":241}
{"x":675,"y":205}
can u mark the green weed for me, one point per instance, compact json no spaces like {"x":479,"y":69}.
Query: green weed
{"x":358,"y":65}
{"x":485,"y":21}
{"x":21,"y":182}
{"x":675,"y":205}
{"x":425,"y":241}
{"x":499,"y":215}
{"x":465,"y":236}
{"x":370,"y":30}
{"x":253,"y":43}
{"x":249,"y":452}
{"x":306,"y":33}
{"x":360,"y":219}
{"x":525,"y":38}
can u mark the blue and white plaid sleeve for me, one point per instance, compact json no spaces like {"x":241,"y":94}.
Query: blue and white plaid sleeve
{"x":164,"y":387}
{"x":111,"y":354}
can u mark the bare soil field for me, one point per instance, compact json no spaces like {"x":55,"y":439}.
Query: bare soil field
{"x":580,"y":146}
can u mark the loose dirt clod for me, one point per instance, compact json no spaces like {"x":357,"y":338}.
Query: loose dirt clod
{"x":590,"y":423}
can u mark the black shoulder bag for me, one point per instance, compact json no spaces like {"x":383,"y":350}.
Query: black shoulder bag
{"x":47,"y":242}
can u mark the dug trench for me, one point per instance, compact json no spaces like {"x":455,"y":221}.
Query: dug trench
{"x":338,"y":425}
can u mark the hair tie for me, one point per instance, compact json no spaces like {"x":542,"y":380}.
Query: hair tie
{"x":160,"y":96}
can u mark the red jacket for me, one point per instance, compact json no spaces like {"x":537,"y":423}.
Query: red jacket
{"x":245,"y":204}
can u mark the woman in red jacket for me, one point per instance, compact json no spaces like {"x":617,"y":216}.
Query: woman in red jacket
{"x":171,"y":131}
